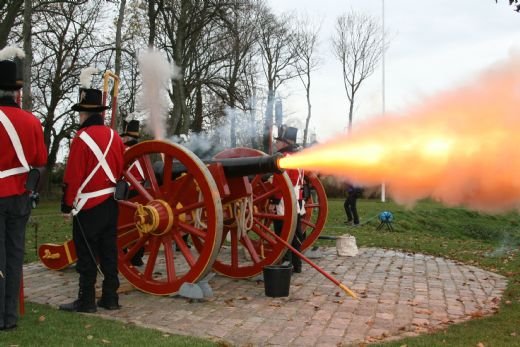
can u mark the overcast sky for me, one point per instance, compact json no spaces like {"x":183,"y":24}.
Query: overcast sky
{"x":434,"y":46}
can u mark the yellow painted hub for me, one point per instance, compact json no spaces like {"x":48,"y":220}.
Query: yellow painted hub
{"x":155,"y":218}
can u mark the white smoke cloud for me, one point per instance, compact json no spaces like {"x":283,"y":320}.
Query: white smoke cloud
{"x":156,"y":73}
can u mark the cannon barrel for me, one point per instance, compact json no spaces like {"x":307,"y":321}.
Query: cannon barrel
{"x":233,"y":167}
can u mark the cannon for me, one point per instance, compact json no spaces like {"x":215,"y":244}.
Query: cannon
{"x":193,"y":216}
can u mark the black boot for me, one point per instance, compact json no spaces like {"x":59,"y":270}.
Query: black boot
{"x":86,"y":302}
{"x":109,"y":302}
{"x":137,"y":259}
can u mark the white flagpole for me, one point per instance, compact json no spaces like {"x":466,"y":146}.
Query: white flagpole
{"x":383,"y":188}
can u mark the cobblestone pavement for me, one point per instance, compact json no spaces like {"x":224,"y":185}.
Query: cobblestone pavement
{"x":401,"y":294}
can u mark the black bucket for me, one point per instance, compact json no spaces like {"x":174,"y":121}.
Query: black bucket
{"x":277,"y":280}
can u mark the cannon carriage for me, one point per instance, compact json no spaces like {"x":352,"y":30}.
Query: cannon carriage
{"x":193,"y":217}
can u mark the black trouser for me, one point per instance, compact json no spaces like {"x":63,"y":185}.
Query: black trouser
{"x":299,"y":237}
{"x":14,"y":213}
{"x":99,"y":226}
{"x":351,"y":208}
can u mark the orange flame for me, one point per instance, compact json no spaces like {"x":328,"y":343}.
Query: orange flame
{"x":460,"y":147}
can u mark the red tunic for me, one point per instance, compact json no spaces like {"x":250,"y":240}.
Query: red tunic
{"x":82,"y":162}
{"x":30,"y":132}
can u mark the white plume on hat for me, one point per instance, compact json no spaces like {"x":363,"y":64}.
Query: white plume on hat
{"x":9,"y":52}
{"x":85,"y":77}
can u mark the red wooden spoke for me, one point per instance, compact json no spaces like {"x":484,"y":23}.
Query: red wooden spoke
{"x":234,"y":249}
{"x":261,"y":230}
{"x":150,"y":176}
{"x":133,"y":249}
{"x":190,"y":229}
{"x":152,"y":257}
{"x":127,"y":237}
{"x":265,"y":195}
{"x":168,"y":256}
{"x":185,"y":251}
{"x":308,"y":223}
{"x":137,"y":185}
{"x":248,"y":244}
{"x":123,"y":227}
{"x":193,"y":206}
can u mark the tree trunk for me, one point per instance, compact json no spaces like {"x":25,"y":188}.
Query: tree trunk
{"x":307,"y":121}
{"x":179,"y":105}
{"x":233,"y":120}
{"x":117,"y":64}
{"x":252,"y":133}
{"x":152,"y":16}
{"x":27,"y":62}
{"x":350,"y":114}
{"x":268,"y":124}
{"x":7,"y":22}
{"x":197,"y":121}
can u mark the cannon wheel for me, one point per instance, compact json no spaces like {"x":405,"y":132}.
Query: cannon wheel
{"x":316,"y":210}
{"x":245,"y":255}
{"x":164,"y":209}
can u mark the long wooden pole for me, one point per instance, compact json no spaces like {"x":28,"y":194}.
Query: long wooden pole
{"x":311,"y":263}
{"x":106,"y":77}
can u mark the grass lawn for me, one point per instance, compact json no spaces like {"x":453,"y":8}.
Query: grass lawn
{"x":487,"y":241}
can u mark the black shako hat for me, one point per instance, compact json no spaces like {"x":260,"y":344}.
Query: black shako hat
{"x":8,"y":76}
{"x":287,"y":134}
{"x":90,"y":100}
{"x":131,"y":128}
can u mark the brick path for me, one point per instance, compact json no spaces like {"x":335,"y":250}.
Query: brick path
{"x":401,"y":294}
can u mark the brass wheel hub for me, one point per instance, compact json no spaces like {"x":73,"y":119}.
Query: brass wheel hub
{"x":155,"y":218}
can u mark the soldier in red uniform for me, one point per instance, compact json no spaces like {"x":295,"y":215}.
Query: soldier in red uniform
{"x":22,"y":144}
{"x":285,"y":143}
{"x":95,"y":164}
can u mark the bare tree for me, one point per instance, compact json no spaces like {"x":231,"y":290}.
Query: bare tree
{"x":358,"y":45}
{"x":511,"y":2}
{"x":65,"y":40}
{"x":277,"y":61}
{"x":305,"y":44}
{"x":189,"y":33}
{"x":237,"y":42}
